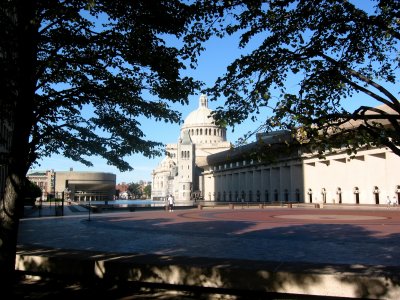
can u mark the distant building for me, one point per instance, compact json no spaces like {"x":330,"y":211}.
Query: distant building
{"x":44,"y":180}
{"x":77,"y":186}
{"x":123,"y":189}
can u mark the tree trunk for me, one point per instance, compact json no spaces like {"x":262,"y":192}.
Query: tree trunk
{"x":20,"y":60}
{"x":10,"y":209}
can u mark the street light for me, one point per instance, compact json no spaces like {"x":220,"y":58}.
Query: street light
{"x":66,"y":196}
{"x":90,"y":207}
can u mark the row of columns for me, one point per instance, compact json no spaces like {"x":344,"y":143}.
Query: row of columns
{"x":282,"y":183}
{"x":338,"y":180}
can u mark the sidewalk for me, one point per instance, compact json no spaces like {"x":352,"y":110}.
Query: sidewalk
{"x":52,"y":210}
{"x":333,"y":244}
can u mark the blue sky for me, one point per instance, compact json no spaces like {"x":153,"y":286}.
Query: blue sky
{"x":211,"y":64}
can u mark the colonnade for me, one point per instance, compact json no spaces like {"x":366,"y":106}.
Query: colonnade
{"x":368,"y":178}
{"x":254,"y":183}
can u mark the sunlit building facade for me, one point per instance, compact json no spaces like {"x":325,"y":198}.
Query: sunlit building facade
{"x":203,"y":166}
{"x":179,"y":173}
{"x":370,"y":177}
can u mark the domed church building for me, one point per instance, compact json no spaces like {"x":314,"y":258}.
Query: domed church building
{"x":179,"y":173}
{"x":204,"y":166}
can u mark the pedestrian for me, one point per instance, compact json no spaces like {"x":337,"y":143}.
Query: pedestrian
{"x":395,"y":201}
{"x":171,"y":203}
{"x":388,"y":202}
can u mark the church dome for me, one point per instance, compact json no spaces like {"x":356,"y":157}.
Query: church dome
{"x":201,"y":125}
{"x":201,"y":116}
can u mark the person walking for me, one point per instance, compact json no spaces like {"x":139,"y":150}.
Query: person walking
{"x":171,"y":203}
{"x":395,"y":201}
{"x":388,"y":202}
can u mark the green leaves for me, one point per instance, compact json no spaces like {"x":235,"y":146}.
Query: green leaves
{"x":312,"y":55}
{"x":100,"y":65}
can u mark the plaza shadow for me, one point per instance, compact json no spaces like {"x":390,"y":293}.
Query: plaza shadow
{"x":337,"y":260}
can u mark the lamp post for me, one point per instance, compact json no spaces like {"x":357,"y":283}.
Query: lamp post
{"x":66,"y":196}
{"x":90,"y":207}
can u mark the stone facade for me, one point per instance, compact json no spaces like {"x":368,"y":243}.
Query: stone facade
{"x":44,"y":180}
{"x":204,"y":166}
{"x":368,"y":178}
{"x":179,"y":172}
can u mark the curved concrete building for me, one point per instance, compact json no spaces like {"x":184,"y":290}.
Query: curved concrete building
{"x":85,"y":186}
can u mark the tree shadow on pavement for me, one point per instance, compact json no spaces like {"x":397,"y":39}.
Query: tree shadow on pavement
{"x":228,"y":255}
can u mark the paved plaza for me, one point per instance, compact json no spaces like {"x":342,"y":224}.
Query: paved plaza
{"x":369,"y":236}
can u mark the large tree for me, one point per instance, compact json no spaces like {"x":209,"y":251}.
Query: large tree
{"x":135,"y":190}
{"x":77,"y":74}
{"x":304,"y":61}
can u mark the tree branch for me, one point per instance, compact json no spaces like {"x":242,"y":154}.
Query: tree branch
{"x":394,"y":104}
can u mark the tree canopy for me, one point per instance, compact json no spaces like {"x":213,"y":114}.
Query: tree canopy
{"x":109,"y":58}
{"x":306,"y":61}
{"x":76,"y":75}
{"x":135,"y":189}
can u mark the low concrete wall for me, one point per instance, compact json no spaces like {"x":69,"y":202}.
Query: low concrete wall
{"x":296,"y":278}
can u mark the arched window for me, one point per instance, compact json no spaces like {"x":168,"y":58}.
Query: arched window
{"x":339,"y":195}
{"x":201,"y":131}
{"x":376,"y":194}
{"x":357,"y":195}
{"x":215,"y":131}
{"x":197,"y":131}
{"x":323,"y":193}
